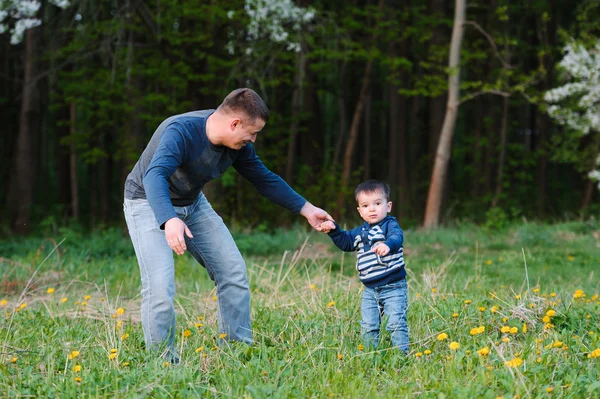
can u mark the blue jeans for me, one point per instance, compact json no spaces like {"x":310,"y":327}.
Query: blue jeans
{"x":391,"y":300}
{"x":212,"y":246}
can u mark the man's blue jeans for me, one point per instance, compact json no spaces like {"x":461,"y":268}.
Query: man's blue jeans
{"x":391,"y":300}
{"x":212,"y":246}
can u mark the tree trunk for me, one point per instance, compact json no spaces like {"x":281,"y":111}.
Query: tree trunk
{"x":73,"y":166}
{"x":367,"y":144}
{"x":442,"y":158}
{"x":342,"y":118}
{"x":23,"y":179}
{"x":436,"y":106}
{"x":590,"y":184}
{"x":503,"y":128}
{"x":354,"y":126}
{"x":297,"y":100}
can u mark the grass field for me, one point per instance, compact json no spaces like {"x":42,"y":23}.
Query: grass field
{"x":511,"y":313}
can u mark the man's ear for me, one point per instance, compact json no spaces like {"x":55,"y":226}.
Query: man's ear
{"x":235,"y":123}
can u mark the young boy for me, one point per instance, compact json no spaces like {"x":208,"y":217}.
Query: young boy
{"x":380,"y":263}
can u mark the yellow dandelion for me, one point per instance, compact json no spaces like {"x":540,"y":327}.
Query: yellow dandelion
{"x":124,"y":336}
{"x":550,"y":313}
{"x":101,"y":299}
{"x":505,"y":340}
{"x":113,"y":350}
{"x":505,"y":329}
{"x":427,"y":352}
{"x":518,"y":296}
{"x":3,"y":303}
{"x":418,"y":354}
{"x":539,"y":360}
{"x":516,"y":362}
{"x":112,"y":356}
{"x":50,"y":290}
{"x":489,"y":262}
{"x":468,"y":301}
{"x":524,"y":329}
{"x":434,"y":290}
{"x":199,"y":349}
{"x":468,"y":352}
{"x":313,"y":287}
{"x":23,"y":305}
{"x":120,"y":311}
{"x":546,"y":319}
{"x":591,"y":333}
{"x":77,"y":368}
{"x":442,"y":336}
{"x":556,"y":344}
{"x":199,"y":325}
{"x":14,"y":359}
{"x":361,"y":347}
{"x":484,"y":351}
{"x":222,"y":336}
{"x":125,"y":364}
{"x":539,"y":340}
{"x":87,"y":297}
{"x":187,"y":334}
{"x":481,"y":309}
{"x":74,"y":354}
{"x":77,"y":379}
{"x":549,"y":389}
{"x":531,"y":306}
{"x":330,"y":304}
{"x":494,"y":309}
{"x":595,"y":353}
{"x":500,"y":259}
{"x":214,"y":298}
{"x":536,"y":290}
{"x":166,"y":364}
{"x":504,"y":319}
{"x":63,"y":300}
{"x":514,"y":330}
{"x":340,"y":356}
{"x":579,"y":294}
{"x":83,"y":303}
{"x":454,"y":345}
{"x":594,"y":297}
{"x":455,"y":315}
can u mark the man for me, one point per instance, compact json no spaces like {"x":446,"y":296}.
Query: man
{"x":166,"y":211}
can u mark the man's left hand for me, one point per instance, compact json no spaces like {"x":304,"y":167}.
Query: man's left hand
{"x":315,"y":216}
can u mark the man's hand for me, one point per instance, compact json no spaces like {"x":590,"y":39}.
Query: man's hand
{"x":381,"y":249}
{"x":315,"y":216}
{"x":174,"y":229}
{"x":327,"y":226}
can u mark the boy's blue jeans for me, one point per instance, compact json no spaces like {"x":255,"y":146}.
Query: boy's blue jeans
{"x":212,"y":246}
{"x":391,"y":300}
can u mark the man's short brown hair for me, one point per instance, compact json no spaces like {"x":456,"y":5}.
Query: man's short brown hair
{"x":247,"y":101}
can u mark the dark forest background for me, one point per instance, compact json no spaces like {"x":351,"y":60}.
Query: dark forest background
{"x":357,"y":90}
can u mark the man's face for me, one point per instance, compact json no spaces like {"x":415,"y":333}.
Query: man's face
{"x":243,"y":131}
{"x":373,"y":207}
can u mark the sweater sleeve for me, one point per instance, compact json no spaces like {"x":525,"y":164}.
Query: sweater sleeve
{"x":394,"y":237}
{"x":268,"y":184}
{"x":169,"y":155}
{"x":342,"y":239}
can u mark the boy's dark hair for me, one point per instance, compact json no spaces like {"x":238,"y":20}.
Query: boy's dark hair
{"x":372,"y":186}
{"x":247,"y":101}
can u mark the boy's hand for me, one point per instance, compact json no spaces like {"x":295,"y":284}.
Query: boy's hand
{"x":327,"y":226}
{"x":381,"y":249}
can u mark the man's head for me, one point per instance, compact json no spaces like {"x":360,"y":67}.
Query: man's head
{"x":238,"y":119}
{"x":373,"y":199}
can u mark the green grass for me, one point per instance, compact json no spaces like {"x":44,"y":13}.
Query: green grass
{"x":305,"y":304}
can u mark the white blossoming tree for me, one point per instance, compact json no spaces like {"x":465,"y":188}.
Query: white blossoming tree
{"x":16,"y":16}
{"x":576,"y":104}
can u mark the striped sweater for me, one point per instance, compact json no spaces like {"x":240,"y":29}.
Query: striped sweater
{"x":373,"y":270}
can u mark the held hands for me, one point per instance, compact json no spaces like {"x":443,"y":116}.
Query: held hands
{"x":315,"y":216}
{"x":327,"y":226}
{"x":174,"y":229}
{"x":381,"y":249}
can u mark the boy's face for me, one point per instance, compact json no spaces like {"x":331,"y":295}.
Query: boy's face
{"x":373,"y":207}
